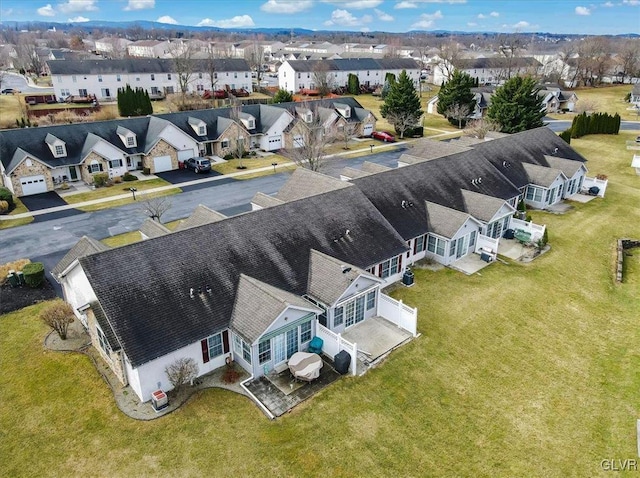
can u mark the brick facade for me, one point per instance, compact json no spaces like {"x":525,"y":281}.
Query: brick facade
{"x":24,"y":169}
{"x":162,"y":148}
{"x":87,"y":176}
{"x":232,"y":133}
{"x":112,"y":359}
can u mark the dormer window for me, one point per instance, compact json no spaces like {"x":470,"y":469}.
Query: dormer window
{"x":202,"y":130}
{"x":59,"y":150}
{"x":308,"y":117}
{"x":344,"y":110}
{"x":57,"y":146}
{"x":127,"y":137}
{"x":199,"y":126}
{"x":248,"y":121}
{"x":131,"y":141}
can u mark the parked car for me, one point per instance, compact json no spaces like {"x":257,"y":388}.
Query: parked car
{"x":9,"y":91}
{"x":637,"y":139}
{"x":199,"y":165}
{"x":383,"y":136}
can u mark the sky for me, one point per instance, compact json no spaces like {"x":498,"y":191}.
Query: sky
{"x":504,"y":16}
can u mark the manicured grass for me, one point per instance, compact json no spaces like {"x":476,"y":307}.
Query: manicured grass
{"x":115,"y":190}
{"x":11,"y":110}
{"x":129,"y":200}
{"x":255,"y":162}
{"x":19,"y":209}
{"x":607,"y":99}
{"x":122,"y":239}
{"x":524,"y":370}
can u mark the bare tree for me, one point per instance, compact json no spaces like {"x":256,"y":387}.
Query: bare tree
{"x":402,"y":121}
{"x":28,"y":57}
{"x":58,"y":315}
{"x":254,"y":54}
{"x":458,"y":111}
{"x":450,"y":55}
{"x":480,"y":127}
{"x":156,"y":207}
{"x":210,"y":63}
{"x":309,"y":151}
{"x":1,"y":78}
{"x":181,"y":371}
{"x":628,"y":59}
{"x":509,"y":48}
{"x":323,"y":78}
{"x":346,"y":132}
{"x":182,"y":53}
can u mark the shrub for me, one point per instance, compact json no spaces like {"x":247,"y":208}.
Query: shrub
{"x":602,"y":177}
{"x":100,"y":179}
{"x":4,"y":207}
{"x":146,"y":171}
{"x":6,"y":195}
{"x":117,"y":180}
{"x":566,"y":135}
{"x":129,"y":177}
{"x":58,"y":315}
{"x":181,"y":371}
{"x":34,"y":274}
{"x":228,"y":156}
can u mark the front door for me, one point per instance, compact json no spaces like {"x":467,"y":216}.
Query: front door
{"x":462,"y":246}
{"x":73,"y":173}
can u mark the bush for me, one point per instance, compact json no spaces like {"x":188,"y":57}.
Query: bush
{"x":34,"y":274}
{"x":58,"y":315}
{"x":117,"y":180}
{"x":602,"y":177}
{"x":4,"y":207}
{"x":566,"y":135}
{"x":100,"y":179}
{"x":146,"y":171}
{"x":228,"y":156}
{"x":181,"y":371}
{"x":6,"y":195}
{"x":129,"y":177}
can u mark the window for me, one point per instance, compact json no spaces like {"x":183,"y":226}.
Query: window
{"x":65,"y":92}
{"x":246,"y":74}
{"x":168,"y":76}
{"x":371,"y":299}
{"x":118,"y":78}
{"x":153,"y":77}
{"x":534,"y":193}
{"x":224,"y":143}
{"x":235,"y":74}
{"x":99,"y":78}
{"x":131,"y":141}
{"x":472,"y":239}
{"x":241,"y":347}
{"x":115,"y":163}
{"x":264,"y":351}
{"x":95,"y":167}
{"x":452,"y":248}
{"x":305,"y":332}
{"x":202,"y":130}
{"x":199,"y":76}
{"x":137,"y":78}
{"x":419,"y":244}
{"x":214,"y":344}
{"x":102,"y":340}
{"x":59,"y":150}
{"x":74,"y":78}
{"x":338,"y":316}
{"x":389,"y":268}
{"x":199,"y":87}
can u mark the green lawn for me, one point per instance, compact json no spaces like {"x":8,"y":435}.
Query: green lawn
{"x":524,"y":370}
{"x":255,"y":162}
{"x":116,"y":190}
{"x":19,"y":209}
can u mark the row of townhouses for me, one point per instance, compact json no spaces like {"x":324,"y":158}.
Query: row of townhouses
{"x":37,"y":160}
{"x":324,"y":251}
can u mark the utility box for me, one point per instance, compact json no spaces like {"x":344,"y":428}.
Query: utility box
{"x":408,"y":278}
{"x":341,"y":362}
{"x":159,"y":400}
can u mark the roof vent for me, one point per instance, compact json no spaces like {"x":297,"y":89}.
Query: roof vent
{"x":208,"y":289}
{"x":191,"y":293}
{"x":345,"y":269}
{"x":555,"y":151}
{"x":506,"y":164}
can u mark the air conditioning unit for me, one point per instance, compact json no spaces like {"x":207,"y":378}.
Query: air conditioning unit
{"x":159,"y":400}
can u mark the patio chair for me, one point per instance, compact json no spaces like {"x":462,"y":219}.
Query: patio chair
{"x":315,"y":346}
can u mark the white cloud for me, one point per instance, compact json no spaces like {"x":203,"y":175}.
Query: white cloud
{"x":355,"y":4}
{"x":6,"y":13}
{"x":472,"y":24}
{"x":522,"y":25}
{"x":78,"y":19}
{"x":584,"y":11}
{"x":631,"y":2}
{"x":385,"y":17}
{"x":71,"y":6}
{"x":344,"y":18}
{"x":46,"y":11}
{"x":427,"y":20}
{"x":481,"y":16}
{"x":167,"y":19}
{"x":286,"y":6}
{"x":405,"y":4}
{"x":494,"y":14}
{"x":607,"y":4}
{"x":240,"y":21}
{"x":140,"y":5}
{"x":415,"y":3}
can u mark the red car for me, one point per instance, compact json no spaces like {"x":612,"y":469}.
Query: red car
{"x":383,"y":136}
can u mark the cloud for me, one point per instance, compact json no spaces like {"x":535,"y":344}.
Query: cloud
{"x":78,"y":19}
{"x":522,"y":25}
{"x":71,"y":6}
{"x":415,"y":3}
{"x":286,"y":6}
{"x":633,"y":3}
{"x":482,"y":16}
{"x":6,"y":13}
{"x":494,"y":14}
{"x":167,"y":19}
{"x":472,"y":24}
{"x":427,"y":20}
{"x":140,"y":5}
{"x":584,"y":11}
{"x":355,"y":4}
{"x":46,"y":11}
{"x":240,"y":21}
{"x":344,"y":18}
{"x":607,"y":4}
{"x":385,"y":17}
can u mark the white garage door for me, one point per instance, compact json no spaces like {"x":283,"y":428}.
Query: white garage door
{"x":275,"y":142}
{"x":185,"y":154}
{"x":33,"y":185}
{"x":162,"y":163}
{"x":367,"y":130}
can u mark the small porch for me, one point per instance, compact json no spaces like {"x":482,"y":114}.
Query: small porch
{"x":470,"y":264}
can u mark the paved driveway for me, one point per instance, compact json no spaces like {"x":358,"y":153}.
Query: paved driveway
{"x":178,"y":176}
{"x":47,"y":200}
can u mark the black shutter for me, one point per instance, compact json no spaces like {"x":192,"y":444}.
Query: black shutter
{"x":100,"y":164}
{"x":225,"y":341}
{"x":205,"y":350}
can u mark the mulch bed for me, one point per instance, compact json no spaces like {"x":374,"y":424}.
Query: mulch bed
{"x":14,"y":298}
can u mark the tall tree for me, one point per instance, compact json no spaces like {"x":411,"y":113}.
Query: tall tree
{"x":210,"y":64}
{"x":628,"y":59}
{"x":182,"y":53}
{"x":402,"y":105}
{"x":309,"y":152}
{"x":516,"y":105}
{"x":254,"y":54}
{"x":456,"y":97}
{"x":449,"y":55}
{"x":323,"y":78}
{"x":282,"y":96}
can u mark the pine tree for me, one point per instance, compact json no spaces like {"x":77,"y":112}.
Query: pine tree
{"x":282,"y":96}
{"x":353,"y":85}
{"x":516,"y":105}
{"x":402,"y":105}
{"x":455,"y":99}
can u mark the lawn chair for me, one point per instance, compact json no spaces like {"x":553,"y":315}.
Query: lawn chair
{"x":315,"y":346}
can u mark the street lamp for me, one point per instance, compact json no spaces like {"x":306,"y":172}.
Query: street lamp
{"x":274,"y":166}
{"x":133,"y":191}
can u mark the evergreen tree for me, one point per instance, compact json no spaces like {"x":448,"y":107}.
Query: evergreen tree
{"x":516,"y":105}
{"x":455,"y":99}
{"x":566,"y":135}
{"x":402,"y":105}
{"x":390,"y":78}
{"x":282,"y":96}
{"x":353,"y":85}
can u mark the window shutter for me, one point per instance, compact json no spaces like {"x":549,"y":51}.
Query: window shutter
{"x":415,"y":245}
{"x":225,"y":341}
{"x":89,"y":168}
{"x":101,"y":168}
{"x":379,"y":270}
{"x":399,"y":263}
{"x":205,"y":350}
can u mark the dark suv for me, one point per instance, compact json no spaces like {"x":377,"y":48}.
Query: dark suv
{"x":199,"y":165}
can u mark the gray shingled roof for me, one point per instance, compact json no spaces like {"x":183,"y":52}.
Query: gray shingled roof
{"x":497,"y":62}
{"x":149,"y":305}
{"x":139,"y":65}
{"x":104,"y":324}
{"x":567,"y":166}
{"x":374,"y":168}
{"x":443,"y":220}
{"x":258,"y":304}
{"x":151,"y":229}
{"x":329,"y":278}
{"x":200,"y":215}
{"x":481,"y":206}
{"x":263,"y":200}
{"x":304,"y":183}
{"x":355,"y":64}
{"x":426,"y":148}
{"x":351,"y":173}
{"x":85,"y":246}
{"x":541,"y":175}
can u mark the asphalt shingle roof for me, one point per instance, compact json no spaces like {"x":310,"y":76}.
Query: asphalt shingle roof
{"x":139,"y":65}
{"x":443,"y":220}
{"x":151,"y":228}
{"x":85,"y":246}
{"x":201,"y":215}
{"x":304,"y":182}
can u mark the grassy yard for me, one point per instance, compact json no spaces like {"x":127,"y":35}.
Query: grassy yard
{"x":520,"y":371}
{"x":19,"y":209}
{"x":255,"y":162}
{"x":115,"y":190}
{"x":11,"y":110}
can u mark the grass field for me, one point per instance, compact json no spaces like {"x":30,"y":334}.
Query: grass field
{"x":115,"y":190}
{"x":19,"y":209}
{"x":520,"y":371}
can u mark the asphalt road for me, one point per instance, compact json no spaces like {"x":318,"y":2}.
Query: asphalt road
{"x":559,"y":126}
{"x":49,"y":238}
{"x":18,"y":82}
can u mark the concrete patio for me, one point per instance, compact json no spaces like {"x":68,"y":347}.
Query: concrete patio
{"x":375,"y":338}
{"x":469,"y":264}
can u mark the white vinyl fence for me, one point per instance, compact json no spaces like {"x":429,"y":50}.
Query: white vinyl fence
{"x":536,"y":230}
{"x":601,"y":184}
{"x":334,"y":343}
{"x":398,"y":313}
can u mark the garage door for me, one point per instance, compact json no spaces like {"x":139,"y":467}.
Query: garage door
{"x":367,"y":130}
{"x":275,"y":142}
{"x":185,"y":154}
{"x":162,"y":163}
{"x":33,"y":185}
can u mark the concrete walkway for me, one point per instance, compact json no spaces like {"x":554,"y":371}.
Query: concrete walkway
{"x":142,"y":194}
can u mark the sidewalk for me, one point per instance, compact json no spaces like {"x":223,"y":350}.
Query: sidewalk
{"x":141,"y":194}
